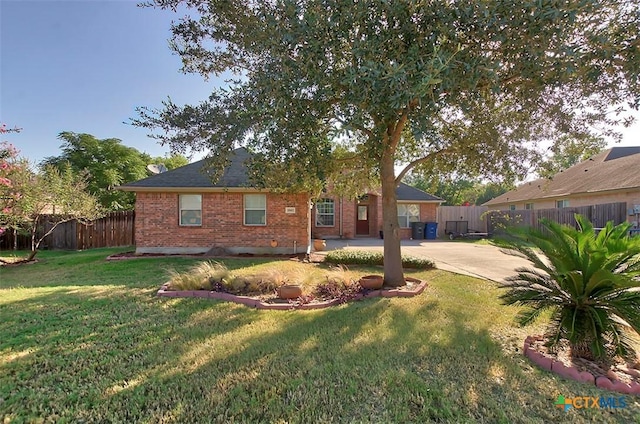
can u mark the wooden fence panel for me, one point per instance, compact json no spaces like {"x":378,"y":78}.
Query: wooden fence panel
{"x":473,"y":215}
{"x":115,"y":229}
{"x":599,"y":215}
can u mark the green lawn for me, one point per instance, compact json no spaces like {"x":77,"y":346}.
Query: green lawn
{"x":85,"y":340}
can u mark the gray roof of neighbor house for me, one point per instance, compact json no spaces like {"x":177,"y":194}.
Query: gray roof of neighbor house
{"x":235,"y":176}
{"x":617,"y":168}
{"x":407,"y":193}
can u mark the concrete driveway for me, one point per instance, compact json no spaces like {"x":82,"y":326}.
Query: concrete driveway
{"x":476,"y":260}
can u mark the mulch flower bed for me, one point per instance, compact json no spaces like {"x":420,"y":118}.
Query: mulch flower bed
{"x":622,"y":377}
{"x":414,"y":287}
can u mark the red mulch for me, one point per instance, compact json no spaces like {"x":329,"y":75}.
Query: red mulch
{"x":620,"y":370}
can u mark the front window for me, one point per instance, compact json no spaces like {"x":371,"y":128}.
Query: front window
{"x":325,"y":213}
{"x":512,"y":207}
{"x":408,"y":213}
{"x":528,"y":206}
{"x":255,"y":209}
{"x":191,"y":209}
{"x":562,"y":203}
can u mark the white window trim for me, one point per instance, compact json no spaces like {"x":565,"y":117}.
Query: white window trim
{"x":565,"y":203}
{"x":180,"y":210}
{"x":528,"y":204}
{"x":407,"y":220}
{"x":245,"y":209}
{"x":512,"y":207}
{"x":332,"y":214}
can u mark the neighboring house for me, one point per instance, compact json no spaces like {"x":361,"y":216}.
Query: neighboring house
{"x":608,"y":177}
{"x":182,"y":211}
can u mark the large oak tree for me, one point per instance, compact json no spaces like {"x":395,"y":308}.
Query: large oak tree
{"x":455,"y":85}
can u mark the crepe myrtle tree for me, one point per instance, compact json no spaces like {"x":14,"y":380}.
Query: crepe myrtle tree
{"x":456,"y":86}
{"x":28,"y":199}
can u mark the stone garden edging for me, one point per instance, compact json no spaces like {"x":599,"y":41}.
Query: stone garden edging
{"x":415,"y":290}
{"x":573,"y":373}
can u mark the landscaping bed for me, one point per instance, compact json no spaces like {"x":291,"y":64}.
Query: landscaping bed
{"x":621,"y":376}
{"x":306,"y":286}
{"x":413,"y":287}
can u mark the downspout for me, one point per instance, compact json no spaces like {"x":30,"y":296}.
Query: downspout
{"x":309,"y":228}
{"x":341,"y":218}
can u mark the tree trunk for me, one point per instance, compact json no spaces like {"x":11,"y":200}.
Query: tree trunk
{"x":393,"y":275}
{"x":34,"y":242}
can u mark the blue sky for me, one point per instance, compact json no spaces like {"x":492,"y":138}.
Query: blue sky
{"x":84,"y":66}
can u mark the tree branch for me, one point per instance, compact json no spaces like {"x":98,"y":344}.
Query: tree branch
{"x":417,"y":162}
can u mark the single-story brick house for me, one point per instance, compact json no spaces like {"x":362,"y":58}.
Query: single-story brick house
{"x":182,"y":211}
{"x":608,"y":177}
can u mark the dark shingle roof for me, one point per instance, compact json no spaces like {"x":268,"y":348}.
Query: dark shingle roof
{"x":614,"y":169}
{"x":408,"y":193}
{"x":235,"y":176}
{"x":191,"y":175}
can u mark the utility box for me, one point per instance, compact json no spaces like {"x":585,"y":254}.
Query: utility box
{"x":431,"y":230}
{"x":417,"y":230}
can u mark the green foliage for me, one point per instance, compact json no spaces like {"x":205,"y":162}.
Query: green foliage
{"x":107,"y":164}
{"x":362,"y":257}
{"x":457,"y":190}
{"x":587,"y":279}
{"x":26,"y":197}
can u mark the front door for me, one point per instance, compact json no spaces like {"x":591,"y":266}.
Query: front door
{"x":362,"y":221}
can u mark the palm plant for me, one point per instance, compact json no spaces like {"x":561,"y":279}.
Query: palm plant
{"x":590,"y":281}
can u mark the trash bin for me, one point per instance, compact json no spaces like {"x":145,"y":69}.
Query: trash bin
{"x":431,"y":230}
{"x":417,"y":230}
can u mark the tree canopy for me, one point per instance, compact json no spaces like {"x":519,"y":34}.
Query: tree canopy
{"x":106,"y":163}
{"x":449,"y":85}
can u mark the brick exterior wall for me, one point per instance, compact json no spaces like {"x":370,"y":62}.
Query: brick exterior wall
{"x":348,"y":209}
{"x":158,"y":228}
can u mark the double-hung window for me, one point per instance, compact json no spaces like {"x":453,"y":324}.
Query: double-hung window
{"x":190,"y":209}
{"x":564,"y":203}
{"x":255,"y":209}
{"x":325,"y":213}
{"x":408,"y":213}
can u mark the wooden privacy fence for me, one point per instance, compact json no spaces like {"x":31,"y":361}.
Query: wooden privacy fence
{"x":115,"y":229}
{"x":472,"y":215}
{"x":599,"y":215}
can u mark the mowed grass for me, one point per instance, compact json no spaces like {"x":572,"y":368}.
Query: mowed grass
{"x":85,"y":340}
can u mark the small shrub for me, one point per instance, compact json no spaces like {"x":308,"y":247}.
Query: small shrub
{"x":587,"y":279}
{"x":417,"y":263}
{"x":199,"y":277}
{"x":362,"y":257}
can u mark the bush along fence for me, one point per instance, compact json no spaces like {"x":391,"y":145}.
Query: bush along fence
{"x":113,"y":230}
{"x":598,"y":215}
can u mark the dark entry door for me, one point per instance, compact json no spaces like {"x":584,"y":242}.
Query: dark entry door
{"x":362,"y":220}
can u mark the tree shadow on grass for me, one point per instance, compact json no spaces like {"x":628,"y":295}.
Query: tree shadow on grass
{"x":126,"y":356}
